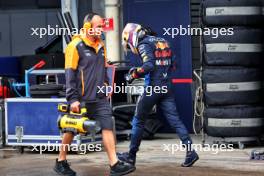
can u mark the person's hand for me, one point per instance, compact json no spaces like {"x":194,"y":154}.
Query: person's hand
{"x":132,"y":70}
{"x":129,"y":78}
{"x":75,"y":107}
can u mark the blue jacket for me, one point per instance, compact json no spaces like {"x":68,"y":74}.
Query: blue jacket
{"x":157,"y":60}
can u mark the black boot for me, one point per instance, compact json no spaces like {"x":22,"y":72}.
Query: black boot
{"x":191,"y":158}
{"x":121,"y":168}
{"x":127,"y":157}
{"x":63,"y":168}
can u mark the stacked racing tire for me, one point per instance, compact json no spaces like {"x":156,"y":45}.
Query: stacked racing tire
{"x":232,"y":78}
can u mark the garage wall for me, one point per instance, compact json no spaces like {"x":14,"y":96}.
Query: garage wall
{"x":5,"y":43}
{"x":15,"y":30}
{"x":159,"y":14}
{"x":28,"y":4}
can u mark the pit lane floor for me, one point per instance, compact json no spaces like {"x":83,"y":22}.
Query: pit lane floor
{"x":154,"y":159}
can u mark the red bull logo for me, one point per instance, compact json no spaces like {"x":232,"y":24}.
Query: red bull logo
{"x":163,"y":53}
{"x":161,"y":45}
{"x":162,"y":50}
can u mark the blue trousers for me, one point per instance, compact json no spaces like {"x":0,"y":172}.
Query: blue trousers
{"x":167,"y":104}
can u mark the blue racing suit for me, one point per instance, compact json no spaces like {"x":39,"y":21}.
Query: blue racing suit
{"x":157,"y":59}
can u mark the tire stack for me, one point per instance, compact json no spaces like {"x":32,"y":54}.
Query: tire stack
{"x":46,"y":90}
{"x":231,"y":74}
{"x":123,"y":121}
{"x":123,"y":116}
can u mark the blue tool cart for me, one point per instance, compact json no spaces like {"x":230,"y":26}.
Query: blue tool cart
{"x":33,"y":122}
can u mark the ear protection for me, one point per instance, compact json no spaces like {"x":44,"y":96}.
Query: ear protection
{"x":87,"y":25}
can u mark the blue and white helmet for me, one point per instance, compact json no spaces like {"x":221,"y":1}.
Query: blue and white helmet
{"x":130,"y":35}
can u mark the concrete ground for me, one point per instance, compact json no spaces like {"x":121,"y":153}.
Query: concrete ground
{"x":154,"y":159}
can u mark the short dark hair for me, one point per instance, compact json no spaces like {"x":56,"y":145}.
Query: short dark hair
{"x":89,"y":17}
{"x":149,"y":31}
